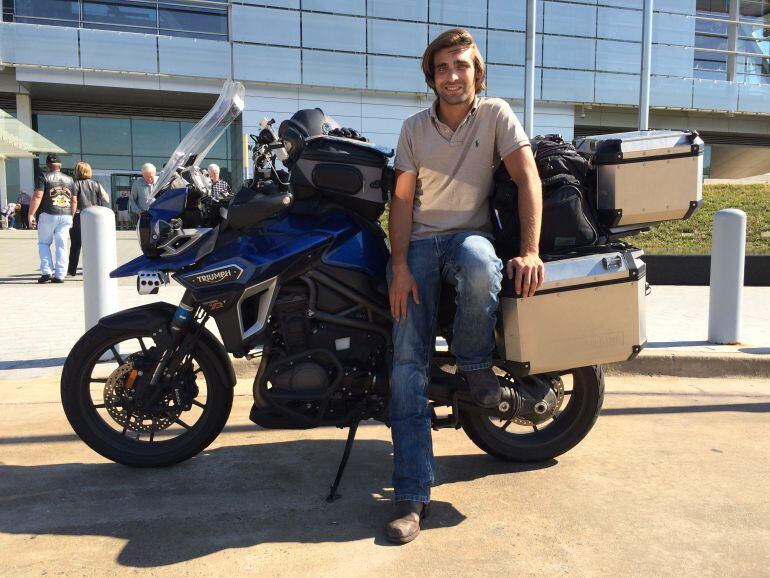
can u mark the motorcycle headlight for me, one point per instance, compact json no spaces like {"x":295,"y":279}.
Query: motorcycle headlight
{"x":144,"y":231}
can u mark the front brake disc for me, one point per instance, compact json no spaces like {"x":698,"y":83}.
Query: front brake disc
{"x":123,"y":411}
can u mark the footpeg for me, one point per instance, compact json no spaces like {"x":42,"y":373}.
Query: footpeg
{"x":450,"y":421}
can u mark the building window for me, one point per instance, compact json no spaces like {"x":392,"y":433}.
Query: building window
{"x":191,"y":18}
{"x":732,"y":40}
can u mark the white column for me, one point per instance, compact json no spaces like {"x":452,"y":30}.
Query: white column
{"x":26,"y":168}
{"x":3,"y":184}
{"x":728,"y":254}
{"x":644,"y":89}
{"x":529,"y":71}
{"x":732,"y":40}
{"x":100,"y":292}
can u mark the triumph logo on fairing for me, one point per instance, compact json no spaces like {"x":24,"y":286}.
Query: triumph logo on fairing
{"x":219,"y":275}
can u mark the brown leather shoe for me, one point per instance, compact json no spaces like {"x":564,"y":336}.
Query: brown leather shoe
{"x":405,"y":523}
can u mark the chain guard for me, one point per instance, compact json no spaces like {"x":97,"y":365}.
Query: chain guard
{"x":116,"y":402}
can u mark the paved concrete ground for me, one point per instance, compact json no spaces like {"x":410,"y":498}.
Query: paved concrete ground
{"x":672,"y":481}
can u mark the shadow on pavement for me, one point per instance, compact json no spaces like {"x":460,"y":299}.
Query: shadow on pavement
{"x":32,"y":363}
{"x":755,"y":350}
{"x":667,"y":344}
{"x":742,"y":407}
{"x":230,"y":497}
{"x":24,"y":278}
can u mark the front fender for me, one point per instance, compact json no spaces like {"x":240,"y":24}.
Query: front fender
{"x":159,"y":314}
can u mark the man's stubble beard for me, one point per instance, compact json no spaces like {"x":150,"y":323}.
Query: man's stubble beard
{"x":452,"y":99}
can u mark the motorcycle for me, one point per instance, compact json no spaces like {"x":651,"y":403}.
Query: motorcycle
{"x":291,"y":269}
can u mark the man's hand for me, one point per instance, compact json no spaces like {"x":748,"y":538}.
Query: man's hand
{"x":527,"y":272}
{"x":31,"y":222}
{"x":401,"y":286}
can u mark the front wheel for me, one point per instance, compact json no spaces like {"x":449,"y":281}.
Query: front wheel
{"x":100,"y":399}
{"x":581,"y":394}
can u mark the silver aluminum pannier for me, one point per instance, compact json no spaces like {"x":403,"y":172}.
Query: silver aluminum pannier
{"x":590,"y":310}
{"x":645,"y":177}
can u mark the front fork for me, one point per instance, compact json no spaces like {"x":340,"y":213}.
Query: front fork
{"x":180,"y":342}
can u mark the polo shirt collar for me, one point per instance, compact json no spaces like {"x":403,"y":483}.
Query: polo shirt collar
{"x":471,"y":112}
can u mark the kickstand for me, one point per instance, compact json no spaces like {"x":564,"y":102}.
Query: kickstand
{"x":333,"y":495}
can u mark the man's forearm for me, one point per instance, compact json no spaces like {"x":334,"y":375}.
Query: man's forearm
{"x":530,"y":215}
{"x":74,"y":206}
{"x":400,"y":231}
{"x":34,"y":204}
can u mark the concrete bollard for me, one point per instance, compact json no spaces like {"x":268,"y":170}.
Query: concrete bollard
{"x":728,"y":250}
{"x":100,"y":293}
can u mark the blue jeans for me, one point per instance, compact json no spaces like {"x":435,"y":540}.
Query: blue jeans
{"x":53,"y":228}
{"x":467,"y":261}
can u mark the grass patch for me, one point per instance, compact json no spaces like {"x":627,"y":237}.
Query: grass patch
{"x":693,"y":236}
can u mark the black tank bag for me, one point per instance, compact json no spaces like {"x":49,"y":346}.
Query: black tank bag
{"x":569,"y":221}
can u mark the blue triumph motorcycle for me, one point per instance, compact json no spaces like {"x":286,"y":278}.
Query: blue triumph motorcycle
{"x":292,"y":268}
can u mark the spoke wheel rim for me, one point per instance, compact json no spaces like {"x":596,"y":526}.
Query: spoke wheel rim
{"x":512,"y":432}
{"x":99,"y":415}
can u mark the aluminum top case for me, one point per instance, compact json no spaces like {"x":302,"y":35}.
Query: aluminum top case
{"x":590,"y":310}
{"x":645,"y":177}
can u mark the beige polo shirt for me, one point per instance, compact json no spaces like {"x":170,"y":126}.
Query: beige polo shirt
{"x":454,"y":168}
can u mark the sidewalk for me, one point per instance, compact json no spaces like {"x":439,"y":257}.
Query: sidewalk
{"x":41,"y":323}
{"x":38,"y":333}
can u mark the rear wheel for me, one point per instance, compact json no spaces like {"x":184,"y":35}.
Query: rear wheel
{"x":101,"y":401}
{"x":582,"y":395}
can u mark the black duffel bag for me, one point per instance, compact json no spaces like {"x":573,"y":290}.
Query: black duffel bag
{"x":568,"y":221}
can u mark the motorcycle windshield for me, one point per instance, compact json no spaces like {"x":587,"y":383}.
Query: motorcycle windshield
{"x":198,"y":142}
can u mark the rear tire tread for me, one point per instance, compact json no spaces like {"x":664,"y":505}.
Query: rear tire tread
{"x":477,"y":426}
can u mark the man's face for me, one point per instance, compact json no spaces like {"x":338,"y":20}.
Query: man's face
{"x":123,"y":193}
{"x":454,"y":75}
{"x":214,"y":175}
{"x":149,"y":176}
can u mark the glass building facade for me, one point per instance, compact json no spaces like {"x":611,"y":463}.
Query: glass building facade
{"x":191,"y":18}
{"x":359,"y":60}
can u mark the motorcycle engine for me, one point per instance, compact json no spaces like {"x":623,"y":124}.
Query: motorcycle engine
{"x":315,"y":364}
{"x":307,"y":377}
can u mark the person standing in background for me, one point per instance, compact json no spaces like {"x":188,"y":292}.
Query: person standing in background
{"x":122,"y":205}
{"x":141,"y":189}
{"x":219,"y":188}
{"x":23,"y":203}
{"x":89,"y":193}
{"x":55,"y":196}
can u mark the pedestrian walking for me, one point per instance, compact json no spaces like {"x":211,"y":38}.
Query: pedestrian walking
{"x":89,"y":193}
{"x":122,"y":207}
{"x":23,"y":206}
{"x":219,"y":188}
{"x":141,"y":189}
{"x":56,"y":199}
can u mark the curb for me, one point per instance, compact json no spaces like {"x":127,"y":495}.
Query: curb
{"x":647,"y":363}
{"x":693,"y":365}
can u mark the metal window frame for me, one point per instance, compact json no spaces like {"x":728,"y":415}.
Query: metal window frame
{"x":733,"y":22}
{"x":219,"y":9}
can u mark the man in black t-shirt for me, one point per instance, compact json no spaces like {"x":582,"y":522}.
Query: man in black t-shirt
{"x":56,"y":198}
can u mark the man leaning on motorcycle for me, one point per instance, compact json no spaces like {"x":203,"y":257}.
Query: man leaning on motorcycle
{"x":440,"y":231}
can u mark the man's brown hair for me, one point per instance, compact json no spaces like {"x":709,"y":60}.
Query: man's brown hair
{"x":454,"y":37}
{"x":83,"y":171}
